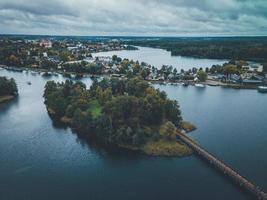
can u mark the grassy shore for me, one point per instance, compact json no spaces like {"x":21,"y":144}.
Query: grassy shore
{"x":188,"y":126}
{"x":6,"y":98}
{"x":166,"y":148}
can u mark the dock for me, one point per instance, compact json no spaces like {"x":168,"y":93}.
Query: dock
{"x":225,"y":169}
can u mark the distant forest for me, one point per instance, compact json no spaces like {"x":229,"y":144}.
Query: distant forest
{"x":237,"y":48}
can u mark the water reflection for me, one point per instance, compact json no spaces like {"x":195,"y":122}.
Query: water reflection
{"x":4,"y":107}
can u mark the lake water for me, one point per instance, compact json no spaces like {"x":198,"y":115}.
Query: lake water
{"x":159,"y":57}
{"x":41,"y":161}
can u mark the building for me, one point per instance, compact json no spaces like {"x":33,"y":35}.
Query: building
{"x":45,"y":55}
{"x":45,"y":43}
{"x":253,"y":67}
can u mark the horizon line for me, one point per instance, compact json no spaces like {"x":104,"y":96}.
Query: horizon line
{"x":133,"y":36}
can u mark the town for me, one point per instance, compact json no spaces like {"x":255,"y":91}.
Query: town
{"x":73,"y":58}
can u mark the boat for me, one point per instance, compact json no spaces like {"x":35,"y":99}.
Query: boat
{"x":29,"y":83}
{"x":213,"y":84}
{"x":262,"y":89}
{"x":199,"y":85}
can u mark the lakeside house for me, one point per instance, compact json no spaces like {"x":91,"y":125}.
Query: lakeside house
{"x":253,"y":67}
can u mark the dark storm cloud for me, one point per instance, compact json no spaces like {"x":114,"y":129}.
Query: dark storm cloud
{"x":139,"y":17}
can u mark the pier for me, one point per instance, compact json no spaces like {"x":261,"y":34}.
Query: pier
{"x":225,"y":169}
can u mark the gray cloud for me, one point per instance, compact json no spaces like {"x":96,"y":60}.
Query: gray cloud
{"x":139,"y":17}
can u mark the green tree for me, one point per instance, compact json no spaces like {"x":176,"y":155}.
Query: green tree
{"x":202,"y":75}
{"x":8,"y":86}
{"x":168,"y":131}
{"x":229,"y":69}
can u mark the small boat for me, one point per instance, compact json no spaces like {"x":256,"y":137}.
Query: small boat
{"x":213,"y":84}
{"x":29,"y":83}
{"x":199,"y":85}
{"x":262,"y":89}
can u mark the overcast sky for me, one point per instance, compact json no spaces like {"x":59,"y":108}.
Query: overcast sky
{"x":134,"y":17}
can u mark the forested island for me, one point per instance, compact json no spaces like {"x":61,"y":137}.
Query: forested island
{"x":126,"y":113}
{"x":8,"y":89}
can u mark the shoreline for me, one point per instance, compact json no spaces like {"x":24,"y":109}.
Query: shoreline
{"x":163,"y":148}
{"x":6,"y":98}
{"x":209,"y":82}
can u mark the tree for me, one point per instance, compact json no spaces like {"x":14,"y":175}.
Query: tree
{"x":172,"y":112}
{"x":8,"y":86}
{"x":136,"y":87}
{"x":168,"y":131}
{"x":64,"y":56}
{"x":202,"y":75}
{"x":144,"y":73}
{"x":114,"y":57}
{"x":229,"y":69}
{"x":175,"y":71}
{"x":14,"y":60}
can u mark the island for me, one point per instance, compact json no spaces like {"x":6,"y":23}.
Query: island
{"x":8,"y":89}
{"x":127,"y":113}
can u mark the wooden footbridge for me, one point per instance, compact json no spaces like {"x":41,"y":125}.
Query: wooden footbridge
{"x":232,"y":174}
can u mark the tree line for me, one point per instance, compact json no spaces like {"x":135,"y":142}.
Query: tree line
{"x":246,"y":48}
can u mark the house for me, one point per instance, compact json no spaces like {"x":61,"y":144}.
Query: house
{"x":234,"y":78}
{"x":161,"y":78}
{"x":55,"y":59}
{"x":171,"y":76}
{"x":89,"y":60}
{"x":253,"y":67}
{"x":71,"y":48}
{"x":114,"y":68}
{"x":104,"y":59}
{"x":45,"y":55}
{"x":45,"y":43}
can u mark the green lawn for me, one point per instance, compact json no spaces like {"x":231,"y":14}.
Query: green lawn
{"x":95,"y":108}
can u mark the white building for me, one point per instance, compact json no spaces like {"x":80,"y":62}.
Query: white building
{"x":253,"y":67}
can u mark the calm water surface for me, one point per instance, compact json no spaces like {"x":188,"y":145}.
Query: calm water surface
{"x":41,"y":161}
{"x":159,"y":57}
